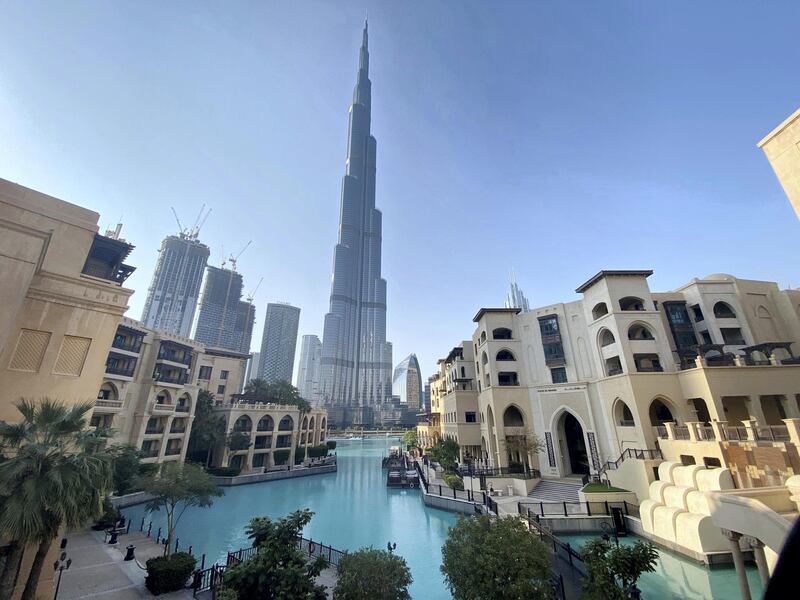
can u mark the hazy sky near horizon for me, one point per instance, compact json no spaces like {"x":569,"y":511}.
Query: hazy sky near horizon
{"x":552,"y":138}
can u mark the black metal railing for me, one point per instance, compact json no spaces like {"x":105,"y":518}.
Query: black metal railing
{"x":178,"y":377}
{"x":644,"y":454}
{"x":184,"y":358}
{"x":575,"y":509}
{"x":444,"y":491}
{"x":773,"y":433}
{"x":735,"y":434}
{"x":661,"y":431}
{"x":521,"y":472}
{"x":681,"y":432}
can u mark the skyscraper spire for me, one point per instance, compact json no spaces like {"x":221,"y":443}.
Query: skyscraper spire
{"x":356,"y":363}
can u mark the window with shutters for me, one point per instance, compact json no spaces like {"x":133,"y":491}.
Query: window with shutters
{"x":72,"y":355}
{"x":30,"y":349}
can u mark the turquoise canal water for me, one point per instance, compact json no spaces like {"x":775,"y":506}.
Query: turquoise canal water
{"x":354,"y":508}
{"x":677,"y":577}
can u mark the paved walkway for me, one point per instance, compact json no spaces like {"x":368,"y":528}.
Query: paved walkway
{"x":98,"y":571}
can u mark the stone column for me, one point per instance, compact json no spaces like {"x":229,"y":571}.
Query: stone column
{"x":750,"y":427}
{"x":793,"y":425}
{"x":700,"y":362}
{"x":738,"y":563}
{"x":670,"y":430}
{"x":755,"y":410}
{"x":692,"y":427}
{"x":719,"y":430}
{"x":761,"y":560}
{"x":790,"y":405}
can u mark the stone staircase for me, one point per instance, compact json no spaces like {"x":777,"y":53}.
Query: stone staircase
{"x":556,"y":490}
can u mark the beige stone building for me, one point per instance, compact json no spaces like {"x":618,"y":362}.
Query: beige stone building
{"x":152,"y":380}
{"x":62,"y":297}
{"x":593,"y":377}
{"x":782,"y":148}
{"x":429,"y":428}
{"x":459,"y":401}
{"x":274,"y":432}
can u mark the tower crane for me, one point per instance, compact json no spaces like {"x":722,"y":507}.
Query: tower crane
{"x":233,"y":258}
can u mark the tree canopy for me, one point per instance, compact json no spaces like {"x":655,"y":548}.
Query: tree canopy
{"x":614,"y":570}
{"x":279,"y":570}
{"x":410,"y":437}
{"x":277,"y":392}
{"x":445,"y":452}
{"x":178,"y":487}
{"x":485,"y":557}
{"x":56,"y":474}
{"x":207,"y":429}
{"x":371,"y":574}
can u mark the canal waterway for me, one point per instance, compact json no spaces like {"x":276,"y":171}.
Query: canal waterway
{"x":354,"y":508}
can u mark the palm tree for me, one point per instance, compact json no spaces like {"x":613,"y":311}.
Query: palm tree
{"x":54,"y":477}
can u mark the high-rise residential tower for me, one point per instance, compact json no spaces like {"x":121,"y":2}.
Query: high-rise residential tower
{"x":172,"y":295}
{"x":407,"y":383}
{"x":225,"y":321}
{"x":279,"y":342}
{"x":308,"y":371}
{"x":356,"y":358}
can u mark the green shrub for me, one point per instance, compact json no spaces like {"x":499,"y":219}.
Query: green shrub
{"x":299,"y":455}
{"x":454,"y":481}
{"x":281,"y":456}
{"x":227,"y":594}
{"x":169,"y":573}
{"x":109,"y":517}
{"x":224,"y":471}
{"x":318,"y":451}
{"x":331,"y":445}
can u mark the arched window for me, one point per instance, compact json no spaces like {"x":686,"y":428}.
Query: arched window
{"x":606,"y":338}
{"x":266,"y":423}
{"x":723,"y":310}
{"x":108,"y":391}
{"x":311,"y":423}
{"x":484,"y":358}
{"x":243,"y":423}
{"x":463,"y":373}
{"x":163,"y":397}
{"x":483,"y":336}
{"x":622,"y":414}
{"x":504,"y":355}
{"x":501,"y":333}
{"x":305,"y":423}
{"x":600,"y":309}
{"x":660,"y":413}
{"x":324,"y":424}
{"x":286,"y":424}
{"x":631,"y":303}
{"x":639,"y":331}
{"x":184,"y":403}
{"x":512,"y":417}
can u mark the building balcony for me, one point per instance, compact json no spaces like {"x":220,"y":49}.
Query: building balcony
{"x":155,"y":407}
{"x":170,"y":355}
{"x":131,"y":344}
{"x":172,"y":377}
{"x":656,"y":369}
{"x":121,"y":370}
{"x":107,"y":406}
{"x":182,"y":408}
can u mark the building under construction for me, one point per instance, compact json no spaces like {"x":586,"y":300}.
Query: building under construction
{"x":225,"y":320}
{"x":174,"y":290}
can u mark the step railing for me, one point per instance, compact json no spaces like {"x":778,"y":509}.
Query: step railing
{"x":575,"y":509}
{"x":639,"y":454}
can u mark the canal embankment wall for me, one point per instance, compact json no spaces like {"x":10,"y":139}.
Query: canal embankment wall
{"x":273,"y":475}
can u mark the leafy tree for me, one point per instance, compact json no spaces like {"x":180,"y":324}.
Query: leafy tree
{"x":410,"y":437}
{"x":524,"y":445}
{"x":127,"y":465}
{"x":207,"y":429}
{"x":614,"y":570}
{"x":279,"y":570}
{"x":238,"y":441}
{"x":446,"y":453}
{"x":371,"y":574}
{"x":278,"y":392}
{"x":56,"y":474}
{"x":487,"y":558}
{"x":178,"y":487}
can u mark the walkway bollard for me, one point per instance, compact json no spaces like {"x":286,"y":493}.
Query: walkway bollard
{"x":113,"y":539}
{"x":129,"y":555}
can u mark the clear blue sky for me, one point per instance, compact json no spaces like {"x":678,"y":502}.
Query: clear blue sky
{"x":555,"y":138}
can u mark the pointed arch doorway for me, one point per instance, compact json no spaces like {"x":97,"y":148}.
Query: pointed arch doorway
{"x":575,"y":458}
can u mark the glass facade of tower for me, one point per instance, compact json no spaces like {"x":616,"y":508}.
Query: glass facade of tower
{"x":225,"y":321}
{"x":279,"y":342}
{"x":356,"y":363}
{"x":407,"y":383}
{"x":173,"y":292}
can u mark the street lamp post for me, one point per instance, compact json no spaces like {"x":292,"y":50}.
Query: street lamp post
{"x":63,"y":563}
